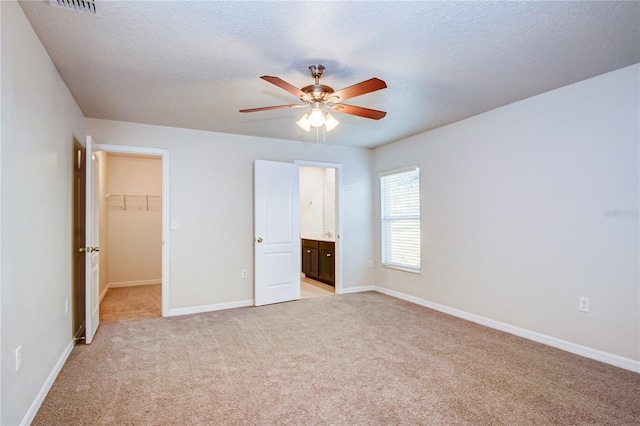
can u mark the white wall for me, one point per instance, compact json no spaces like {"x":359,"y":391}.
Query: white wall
{"x":517,"y":219}
{"x":39,"y":123}
{"x":135,"y":234}
{"x":211,"y":197}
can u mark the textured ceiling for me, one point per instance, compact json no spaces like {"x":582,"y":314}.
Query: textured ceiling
{"x":194,"y":64}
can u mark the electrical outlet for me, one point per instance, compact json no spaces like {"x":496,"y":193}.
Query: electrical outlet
{"x":371,"y":264}
{"x":584,"y":304}
{"x":18,"y":358}
{"x":66,"y":306}
{"x":244,"y":273}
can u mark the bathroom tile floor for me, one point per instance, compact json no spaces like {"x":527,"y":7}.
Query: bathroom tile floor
{"x":312,"y":288}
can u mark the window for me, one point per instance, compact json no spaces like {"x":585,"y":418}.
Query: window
{"x":400,"y":203}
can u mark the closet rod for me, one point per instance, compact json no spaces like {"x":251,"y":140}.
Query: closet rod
{"x":124,"y":198}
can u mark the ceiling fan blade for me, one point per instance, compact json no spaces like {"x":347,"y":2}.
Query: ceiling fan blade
{"x":361,"y":88}
{"x":359,"y":111}
{"x":273,"y":107}
{"x":284,"y":85}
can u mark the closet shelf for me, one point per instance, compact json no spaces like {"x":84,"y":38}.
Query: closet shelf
{"x":134,"y":202}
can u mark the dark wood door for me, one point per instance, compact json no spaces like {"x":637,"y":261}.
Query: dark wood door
{"x":79,"y":225}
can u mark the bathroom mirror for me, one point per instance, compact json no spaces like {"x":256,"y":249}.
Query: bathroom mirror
{"x":329,"y":209}
{"x":317,"y":203}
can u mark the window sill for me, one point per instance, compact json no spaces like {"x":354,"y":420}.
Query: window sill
{"x":402,"y":268}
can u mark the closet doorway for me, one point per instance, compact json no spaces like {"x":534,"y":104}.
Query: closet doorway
{"x":321,"y":264}
{"x":131,"y":231}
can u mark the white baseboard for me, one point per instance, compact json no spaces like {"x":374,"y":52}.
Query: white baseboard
{"x":135,"y":283}
{"x":104,"y":293}
{"x":598,"y":355}
{"x":127,"y":284}
{"x":35,"y":406}
{"x":209,"y":308}
{"x":347,"y":290}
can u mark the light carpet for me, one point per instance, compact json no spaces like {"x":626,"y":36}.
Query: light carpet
{"x":126,"y":303}
{"x":357,"y":359}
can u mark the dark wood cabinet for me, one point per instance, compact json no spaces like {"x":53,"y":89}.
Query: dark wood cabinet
{"x":327,"y":263}
{"x":310,"y":265}
{"x":318,"y":260}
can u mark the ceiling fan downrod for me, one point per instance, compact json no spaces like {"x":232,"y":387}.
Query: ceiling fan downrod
{"x":316,"y":92}
{"x":316,"y":72}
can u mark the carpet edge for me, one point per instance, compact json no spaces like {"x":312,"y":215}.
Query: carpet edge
{"x":585,"y":351}
{"x":209,"y":308}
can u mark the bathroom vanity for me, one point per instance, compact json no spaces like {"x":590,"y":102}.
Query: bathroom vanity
{"x":318,"y":260}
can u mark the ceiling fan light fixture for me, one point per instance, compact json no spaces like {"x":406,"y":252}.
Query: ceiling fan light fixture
{"x":316,"y":118}
{"x":330,"y":123}
{"x":304,"y":123}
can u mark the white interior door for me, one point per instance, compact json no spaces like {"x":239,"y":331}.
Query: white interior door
{"x":277,"y":232}
{"x":92,"y":248}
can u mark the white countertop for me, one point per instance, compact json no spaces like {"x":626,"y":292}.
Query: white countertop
{"x":317,"y":237}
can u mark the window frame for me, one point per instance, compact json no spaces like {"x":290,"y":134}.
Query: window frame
{"x":385,"y":217}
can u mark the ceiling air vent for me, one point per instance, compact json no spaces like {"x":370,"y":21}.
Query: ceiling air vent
{"x":84,"y":6}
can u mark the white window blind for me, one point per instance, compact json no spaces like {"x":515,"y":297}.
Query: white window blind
{"x":400,"y":203}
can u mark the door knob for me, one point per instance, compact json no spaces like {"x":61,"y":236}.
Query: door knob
{"x":259,"y":239}
{"x":328,"y":254}
{"x":88,"y":249}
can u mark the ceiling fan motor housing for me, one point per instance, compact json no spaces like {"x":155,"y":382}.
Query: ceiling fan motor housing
{"x":317,"y":92}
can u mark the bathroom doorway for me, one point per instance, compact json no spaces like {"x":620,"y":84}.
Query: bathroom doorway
{"x":319,"y":229}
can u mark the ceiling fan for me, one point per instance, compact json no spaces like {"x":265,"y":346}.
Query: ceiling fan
{"x":321,"y":98}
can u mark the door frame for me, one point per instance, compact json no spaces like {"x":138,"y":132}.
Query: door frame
{"x":79,"y":291}
{"x":164,"y":155}
{"x":338,"y":239}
